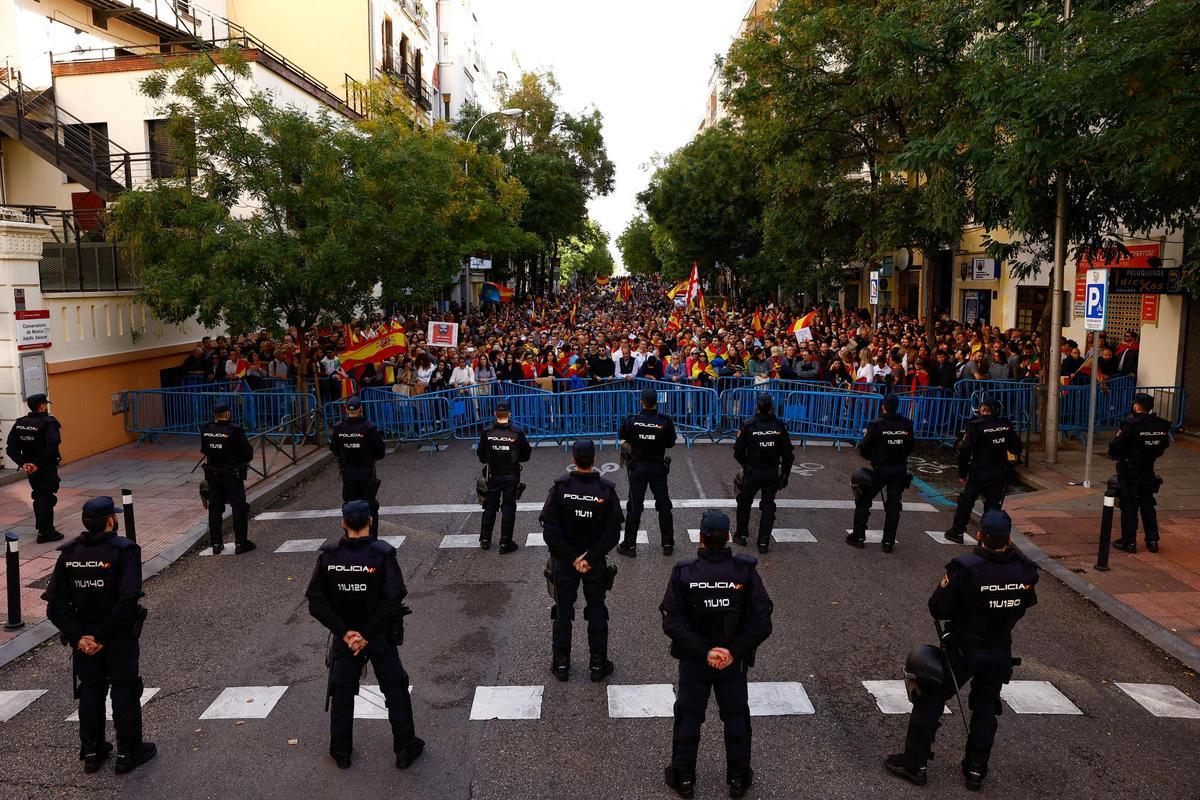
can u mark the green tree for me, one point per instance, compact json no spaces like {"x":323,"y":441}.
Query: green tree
{"x":587,"y":257}
{"x":636,"y":244}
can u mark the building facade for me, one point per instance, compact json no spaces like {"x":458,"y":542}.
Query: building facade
{"x":471,"y":70}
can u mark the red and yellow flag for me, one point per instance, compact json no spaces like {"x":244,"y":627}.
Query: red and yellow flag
{"x":757,"y":323}
{"x":678,"y":288}
{"x":375,"y":350}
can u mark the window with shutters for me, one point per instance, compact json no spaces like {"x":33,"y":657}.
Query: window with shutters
{"x":1123,"y":314}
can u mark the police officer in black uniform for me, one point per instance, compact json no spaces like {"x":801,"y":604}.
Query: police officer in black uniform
{"x":1141,"y":440}
{"x":502,"y":449}
{"x":887,"y":442}
{"x":987,"y":452}
{"x":581,"y":522}
{"x":357,"y":592}
{"x":717,"y":612}
{"x":764,"y":449}
{"x":357,"y":444}
{"x":983,"y":595}
{"x":227,"y":452}
{"x":93,"y":598}
{"x":648,"y":434}
{"x":33,"y":443}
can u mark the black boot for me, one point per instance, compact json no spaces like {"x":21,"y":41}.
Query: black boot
{"x":411,"y":753}
{"x":1125,"y":546}
{"x":764,"y":545}
{"x":600,"y":667}
{"x":741,"y":539}
{"x":908,"y":769}
{"x":49,"y":536}
{"x":668,"y":549}
{"x":485,"y":543}
{"x":739,"y":781}
{"x":94,"y":758}
{"x":133,"y":757}
{"x":888,"y":545}
{"x":683,"y":782}
{"x":508,"y":546}
{"x":854,"y":540}
{"x":244,"y":546}
{"x":627,"y":549}
{"x":1152,"y":545}
{"x":951,"y":536}
{"x":560,"y":665}
{"x":974,"y":772}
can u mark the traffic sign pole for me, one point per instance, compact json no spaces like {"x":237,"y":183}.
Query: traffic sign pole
{"x":1095,"y":309}
{"x":1091,"y":433}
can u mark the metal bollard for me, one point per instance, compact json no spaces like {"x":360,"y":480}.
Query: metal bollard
{"x":1111,"y":493}
{"x":127,"y":502}
{"x":12,"y":546}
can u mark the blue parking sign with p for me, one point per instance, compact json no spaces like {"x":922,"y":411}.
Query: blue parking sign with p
{"x":1095,"y":300}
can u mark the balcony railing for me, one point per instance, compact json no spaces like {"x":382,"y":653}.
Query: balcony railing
{"x":407,"y":74}
{"x":80,"y":258}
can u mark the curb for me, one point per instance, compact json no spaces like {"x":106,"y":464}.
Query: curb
{"x":260,"y":496}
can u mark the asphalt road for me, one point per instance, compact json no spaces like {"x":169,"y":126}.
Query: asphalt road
{"x":842,"y":616}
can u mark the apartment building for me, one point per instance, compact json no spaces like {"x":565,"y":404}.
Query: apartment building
{"x":470,"y":68}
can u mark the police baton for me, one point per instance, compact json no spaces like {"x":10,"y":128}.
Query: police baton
{"x":937,"y":624}
{"x":329,"y":679}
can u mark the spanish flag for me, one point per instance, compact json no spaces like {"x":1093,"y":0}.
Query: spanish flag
{"x":679,"y":288}
{"x":757,"y":323}
{"x":602,"y":280}
{"x":802,"y":327}
{"x":674,"y":323}
{"x":574,"y":308}
{"x":375,"y":350}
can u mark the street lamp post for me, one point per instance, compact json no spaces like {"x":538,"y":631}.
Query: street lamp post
{"x":505,"y":112}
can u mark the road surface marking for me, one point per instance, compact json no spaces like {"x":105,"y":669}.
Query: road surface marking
{"x":940,"y":538}
{"x":792,"y":535}
{"x":474,"y":508}
{"x":244,"y":702}
{"x":17,"y":700}
{"x":873,"y":537}
{"x":147,"y":693}
{"x":641,"y":700}
{"x":300,"y":546}
{"x":891,"y":697}
{"x":228,"y":551}
{"x":507,"y":702}
{"x":1036,"y":697}
{"x":778,"y":699}
{"x":1162,"y":700}
{"x":535,"y":540}
{"x":459,"y":540}
{"x":370,"y":703}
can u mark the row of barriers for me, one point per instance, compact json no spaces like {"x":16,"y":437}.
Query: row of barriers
{"x":810,"y":411}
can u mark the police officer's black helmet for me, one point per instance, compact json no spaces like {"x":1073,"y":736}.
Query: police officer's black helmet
{"x":862,"y":480}
{"x":924,"y":670}
{"x":1144,"y":400}
{"x":649,"y":398}
{"x":35,"y":400}
{"x":890,"y":403}
{"x":220,"y":408}
{"x":764,"y":404}
{"x":356,"y":514}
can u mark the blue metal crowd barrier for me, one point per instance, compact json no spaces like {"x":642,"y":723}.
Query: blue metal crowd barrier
{"x":1021,"y":404}
{"x":155,"y":412}
{"x":840,"y":416}
{"x":936,"y":417}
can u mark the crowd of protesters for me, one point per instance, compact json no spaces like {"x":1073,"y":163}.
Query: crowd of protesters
{"x":573,"y":339}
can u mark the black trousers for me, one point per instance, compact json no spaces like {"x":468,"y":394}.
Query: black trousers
{"x":227,"y":487}
{"x":114,"y":668}
{"x":501,"y":496}
{"x":43,"y":485}
{"x":991,"y":486}
{"x":987,"y":672}
{"x":729,"y":685}
{"x":361,"y":484}
{"x":754,"y":481}
{"x":654,"y":476}
{"x":393,"y":684}
{"x":1137,"y":497}
{"x":892,"y":487}
{"x":566,"y":589}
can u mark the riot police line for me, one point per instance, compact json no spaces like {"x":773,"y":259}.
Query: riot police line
{"x":716,"y":610}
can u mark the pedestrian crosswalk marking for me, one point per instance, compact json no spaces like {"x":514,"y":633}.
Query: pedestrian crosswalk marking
{"x":507,"y":702}
{"x":873,"y":537}
{"x":228,"y":551}
{"x":313,"y":545}
{"x":244,"y":702}
{"x":15,"y":701}
{"x":459,"y":540}
{"x":780,"y":535}
{"x":940,"y":538}
{"x":777,"y":699}
{"x":1162,"y":700}
{"x":147,"y":693}
{"x":641,"y":701}
{"x":892,"y":697}
{"x":536,"y":539}
{"x":1036,"y":697}
{"x":370,"y":703}
{"x":701,"y":503}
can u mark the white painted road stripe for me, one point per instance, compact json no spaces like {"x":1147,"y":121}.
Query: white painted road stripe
{"x":940,"y":538}
{"x":507,"y":702}
{"x":891,"y":697}
{"x":15,"y":701}
{"x":792,"y":535}
{"x":147,"y":693}
{"x":1162,"y":700}
{"x":244,"y":702}
{"x":474,"y":508}
{"x":641,"y":701}
{"x":535,"y":540}
{"x":873,"y":537}
{"x":370,"y":703}
{"x":228,"y":551}
{"x":300,"y":546}
{"x":1036,"y":697}
{"x":459,"y":540}
{"x":778,"y":699}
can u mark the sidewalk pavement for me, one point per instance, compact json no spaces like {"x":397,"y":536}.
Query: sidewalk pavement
{"x":1156,"y":594}
{"x":167,"y":508}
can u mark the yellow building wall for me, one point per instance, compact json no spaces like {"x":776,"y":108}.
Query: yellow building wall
{"x":81,"y":396}
{"x":327,"y":40}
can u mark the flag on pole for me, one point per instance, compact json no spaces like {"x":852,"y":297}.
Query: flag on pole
{"x":375,"y":349}
{"x":757,"y":323}
{"x":802,"y":327}
{"x":725,"y":305}
{"x":678,"y":289}
{"x":704,"y":311}
{"x":574,"y":308}
{"x":625,"y":292}
{"x":602,"y":280}
{"x":694,"y":292}
{"x":674,"y":323}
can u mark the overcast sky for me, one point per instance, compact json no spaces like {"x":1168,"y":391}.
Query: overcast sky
{"x":644,"y":63}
